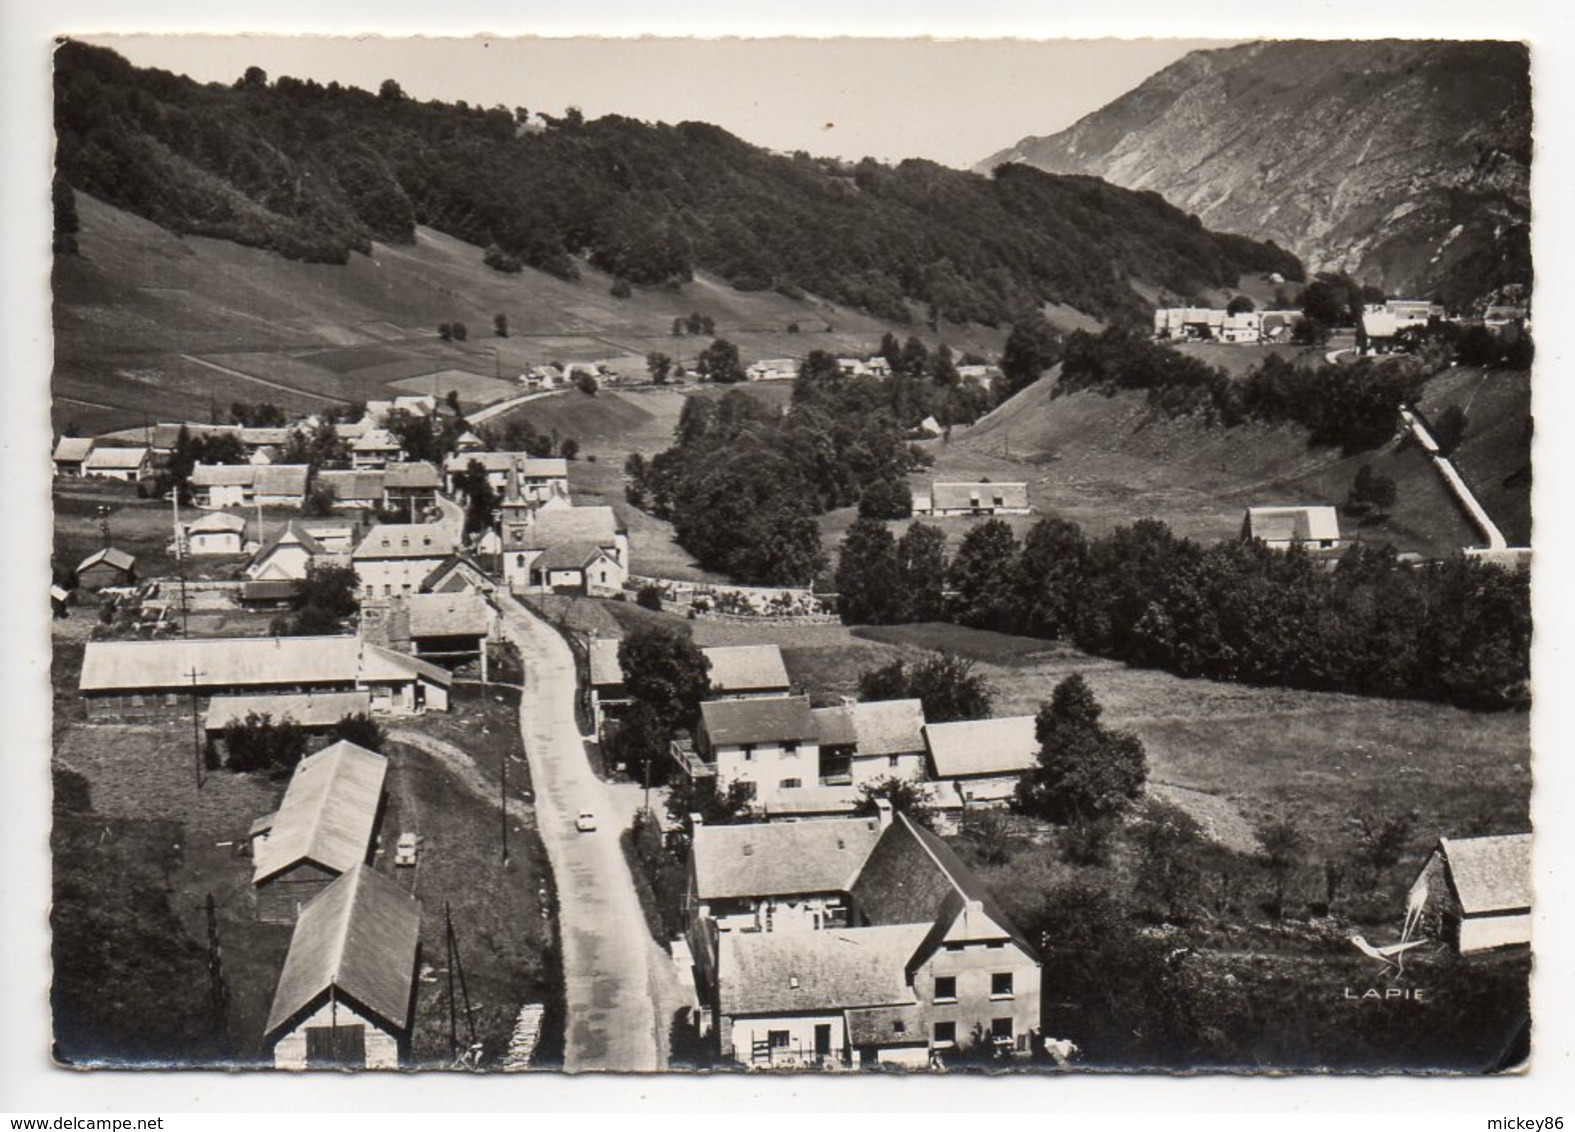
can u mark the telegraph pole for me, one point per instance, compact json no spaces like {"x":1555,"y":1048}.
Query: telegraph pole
{"x":503,"y":800}
{"x":196,"y":728}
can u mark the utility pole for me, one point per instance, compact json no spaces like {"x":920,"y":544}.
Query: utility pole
{"x":103,"y":524}
{"x":503,"y":798}
{"x":218,"y":985}
{"x":180,"y":562}
{"x":196,"y":728}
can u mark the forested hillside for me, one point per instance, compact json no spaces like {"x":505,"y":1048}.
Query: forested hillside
{"x":317,"y":172}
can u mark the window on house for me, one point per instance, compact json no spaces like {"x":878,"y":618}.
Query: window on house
{"x":898,"y":1026}
{"x":778,"y":1039}
{"x":999,"y":501}
{"x":790,"y":747}
{"x":1001,"y":984}
{"x":791,"y":783}
{"x":945,"y":1034}
{"x":955,"y":946}
{"x":996,"y":944}
{"x":946,"y":988}
{"x":1001,"y":1029}
{"x":749,"y":750}
{"x":892,"y":760}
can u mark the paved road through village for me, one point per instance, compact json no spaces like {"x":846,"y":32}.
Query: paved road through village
{"x":608,"y":955}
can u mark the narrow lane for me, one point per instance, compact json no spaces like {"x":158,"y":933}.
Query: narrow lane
{"x":608,"y":955}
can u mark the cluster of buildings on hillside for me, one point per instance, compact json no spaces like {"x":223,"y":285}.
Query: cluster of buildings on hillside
{"x":1381,"y":324}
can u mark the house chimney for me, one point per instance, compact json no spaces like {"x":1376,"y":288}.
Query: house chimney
{"x":883,"y":812}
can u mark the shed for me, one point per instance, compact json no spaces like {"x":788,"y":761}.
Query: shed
{"x":106,"y":567}
{"x":1312,"y":526}
{"x":70,"y":452}
{"x":1475,"y":892}
{"x":217,"y":532}
{"x":983,"y":757}
{"x":324,"y":827}
{"x":346,"y":996}
{"x":128,"y":464}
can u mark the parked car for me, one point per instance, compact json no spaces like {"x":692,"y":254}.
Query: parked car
{"x":405,"y":851}
{"x":586,"y":822}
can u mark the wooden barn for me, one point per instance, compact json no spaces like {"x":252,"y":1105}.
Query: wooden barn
{"x":326,"y":825}
{"x":1475,"y":892}
{"x":106,"y":567}
{"x":346,"y":996}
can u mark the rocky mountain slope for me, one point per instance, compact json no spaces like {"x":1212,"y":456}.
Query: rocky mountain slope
{"x":1405,"y":163}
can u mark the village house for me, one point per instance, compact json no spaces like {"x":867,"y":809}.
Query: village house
{"x":267,"y":454}
{"x":1474,"y":893}
{"x":411,"y":487}
{"x":741,"y":672}
{"x":125,"y":464}
{"x":374,"y":448}
{"x":984,"y":498}
{"x":287,"y":555}
{"x":468,"y":441}
{"x":346,"y":996}
{"x":583,"y":550}
{"x":106,"y":568}
{"x":608,"y":694}
{"x":445,"y":628}
{"x":326,"y":824}
{"x":770,"y":744}
{"x":544,"y":377}
{"x":216,"y":533}
{"x":254,"y":440}
{"x":396,"y":559}
{"x":70,"y":452}
{"x":981,"y":758}
{"x":773,"y":369}
{"x":215,"y":486}
{"x":1280,"y":528}
{"x":883,"y":951}
{"x":313,"y":712}
{"x":533,"y":478}
{"x":459,"y":573}
{"x":277,"y":594}
{"x":352,"y":489}
{"x":132,"y":679}
{"x":862,"y":743}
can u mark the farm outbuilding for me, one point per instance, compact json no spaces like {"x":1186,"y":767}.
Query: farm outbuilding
{"x":217,"y":532}
{"x":106,"y":567}
{"x":1475,"y":892}
{"x":346,"y":996}
{"x":324,"y":827}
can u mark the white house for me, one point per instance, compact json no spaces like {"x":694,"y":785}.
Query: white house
{"x":539,"y":478}
{"x":126,"y":464}
{"x":216,"y":486}
{"x":217,"y":532}
{"x":395,"y":559}
{"x":374,"y":448}
{"x":1475,"y":892}
{"x":286,"y":555}
{"x":1280,"y":528}
{"x":982,"y":758}
{"x":347,"y":992}
{"x":773,"y":369}
{"x":984,"y":498}
{"x":565,"y":550}
{"x":862,"y":743}
{"x":770,"y":744}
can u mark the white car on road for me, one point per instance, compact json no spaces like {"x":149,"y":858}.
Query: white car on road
{"x":586,"y":822}
{"x":405,"y":850}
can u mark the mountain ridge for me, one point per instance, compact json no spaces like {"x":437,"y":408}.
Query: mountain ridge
{"x":1404,"y":163}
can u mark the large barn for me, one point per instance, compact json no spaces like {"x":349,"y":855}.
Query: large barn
{"x":1475,"y":892}
{"x":324,"y":827}
{"x":346,"y":997}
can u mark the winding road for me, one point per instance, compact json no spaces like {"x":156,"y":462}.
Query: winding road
{"x":614,"y":972}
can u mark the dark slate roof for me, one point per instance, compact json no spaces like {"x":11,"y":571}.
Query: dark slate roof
{"x":358,"y":937}
{"x":1490,"y":874}
{"x":746,"y":668}
{"x":729,"y":722}
{"x":109,"y":556}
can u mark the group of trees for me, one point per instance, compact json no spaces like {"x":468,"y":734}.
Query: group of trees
{"x":946,"y":684}
{"x":262,"y":414}
{"x":743,"y":482}
{"x":694,"y":323}
{"x":260,"y":742}
{"x":325,"y":599}
{"x":1458,"y":631}
{"x":926,"y":383}
{"x":1353,"y":407}
{"x":318,"y":171}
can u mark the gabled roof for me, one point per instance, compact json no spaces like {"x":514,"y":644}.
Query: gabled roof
{"x":530,"y":467}
{"x":913,"y":877}
{"x":406,"y":540}
{"x":982,"y":746}
{"x":1293,"y":524}
{"x":358,"y":937}
{"x":109,"y":556}
{"x":309,"y":709}
{"x":1489,"y":874}
{"x":780,"y":858}
{"x":449,"y":615}
{"x":260,"y":437}
{"x":328,"y":812}
{"x":375,"y":440}
{"x":835,"y":726}
{"x":115,"y":458}
{"x":888,"y":727}
{"x":241,"y":662}
{"x":350,"y":485}
{"x":288,"y":535}
{"x":572,"y":555}
{"x":774,"y":720}
{"x":955,"y":496}
{"x":598,"y":526}
{"x":72,"y":449}
{"x":815,"y":972}
{"x":216,"y":522}
{"x":223,"y":475}
{"x":606,"y":669}
{"x":282,"y":479}
{"x":417,"y":473}
{"x":746,"y":668}
{"x":458,"y":562}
